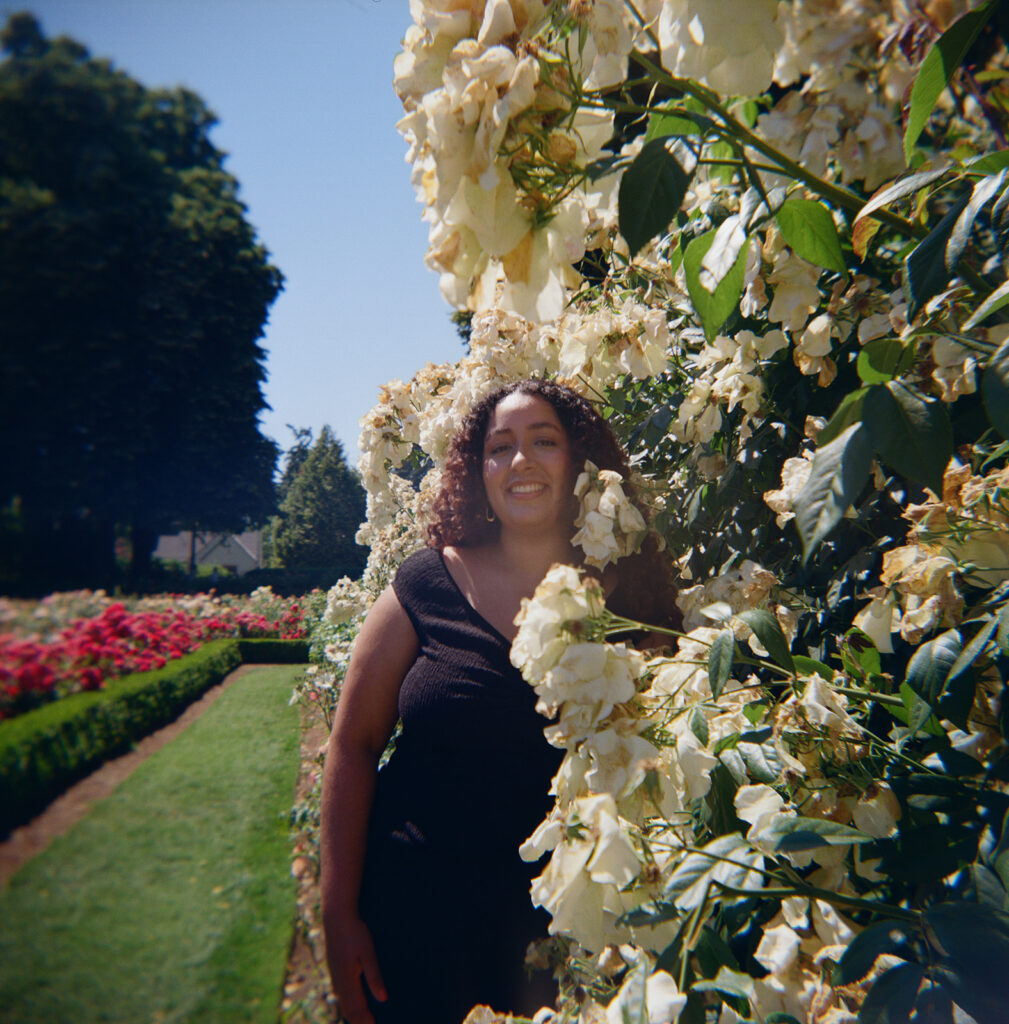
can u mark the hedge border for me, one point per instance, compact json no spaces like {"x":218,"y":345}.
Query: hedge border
{"x":45,"y":751}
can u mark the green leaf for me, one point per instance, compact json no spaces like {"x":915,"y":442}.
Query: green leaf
{"x":762,"y":762}
{"x":891,"y":998}
{"x":994,"y":302}
{"x":651,"y":191}
{"x":720,"y":656}
{"x":699,"y":726}
{"x":900,"y":188}
{"x":911,"y":433}
{"x":973,"y":649}
{"x":859,"y":654}
{"x":795,"y":835}
{"x":975,"y":937}
{"x":988,"y":163}
{"x":713,"y":952}
{"x":925,"y":268}
{"x":883,"y":359}
{"x":984,"y":191}
{"x":728,"y":982}
{"x":858,"y":958}
{"x":713,"y":308}
{"x":919,"y":714}
{"x":839,"y":472}
{"x":995,"y":388}
{"x":769,"y":633}
{"x":810,"y":666}
{"x":729,"y":859}
{"x":938,"y":68}
{"x":998,"y":859}
{"x":675,"y":121}
{"x":734,"y":764}
{"x":989,"y":887}
{"x":847,"y":413}
{"x":809,"y":230}
{"x":930,"y":666}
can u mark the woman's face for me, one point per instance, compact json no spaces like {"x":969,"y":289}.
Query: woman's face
{"x":527,"y":465}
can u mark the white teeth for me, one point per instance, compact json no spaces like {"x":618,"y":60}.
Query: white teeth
{"x":525,"y":488}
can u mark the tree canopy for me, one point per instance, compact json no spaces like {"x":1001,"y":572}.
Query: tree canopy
{"x":322,"y":508}
{"x":133,"y":293}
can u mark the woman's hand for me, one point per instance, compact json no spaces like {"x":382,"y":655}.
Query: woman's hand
{"x":351,"y":956}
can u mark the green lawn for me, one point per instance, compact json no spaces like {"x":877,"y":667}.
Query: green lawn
{"x":173,"y":899}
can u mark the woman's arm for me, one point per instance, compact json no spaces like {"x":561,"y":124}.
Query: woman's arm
{"x":366,"y":714}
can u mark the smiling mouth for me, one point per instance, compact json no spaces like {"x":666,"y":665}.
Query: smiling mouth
{"x":526,"y":488}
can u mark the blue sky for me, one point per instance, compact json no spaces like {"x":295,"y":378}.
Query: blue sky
{"x":303,"y":92}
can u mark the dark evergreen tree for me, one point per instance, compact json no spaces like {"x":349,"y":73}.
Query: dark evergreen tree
{"x":321,"y":513}
{"x":294,"y":459}
{"x":133,"y":294}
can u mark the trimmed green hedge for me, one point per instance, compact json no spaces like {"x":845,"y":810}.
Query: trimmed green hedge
{"x":46,"y":750}
{"x":268,"y":651}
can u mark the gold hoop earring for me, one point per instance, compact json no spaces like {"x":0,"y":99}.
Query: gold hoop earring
{"x":489,"y":515}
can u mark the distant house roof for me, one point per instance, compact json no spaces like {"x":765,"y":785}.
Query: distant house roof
{"x":238,"y":551}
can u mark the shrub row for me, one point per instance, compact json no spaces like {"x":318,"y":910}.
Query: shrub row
{"x":46,"y":750}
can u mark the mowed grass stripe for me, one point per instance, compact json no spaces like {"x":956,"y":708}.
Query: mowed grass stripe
{"x":173,"y":899}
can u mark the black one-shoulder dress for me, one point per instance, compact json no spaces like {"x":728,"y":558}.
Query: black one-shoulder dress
{"x":445,"y":893}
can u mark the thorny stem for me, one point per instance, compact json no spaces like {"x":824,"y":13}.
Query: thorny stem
{"x":797,"y":886}
{"x":828,"y":896}
{"x":879,"y":698}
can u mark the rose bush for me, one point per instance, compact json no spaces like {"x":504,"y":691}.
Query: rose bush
{"x":75,"y":641}
{"x":768,"y":239}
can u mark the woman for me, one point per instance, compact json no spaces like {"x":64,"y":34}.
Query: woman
{"x":425,"y":900}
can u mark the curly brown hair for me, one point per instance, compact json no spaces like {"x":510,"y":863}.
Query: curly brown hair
{"x":644,"y":589}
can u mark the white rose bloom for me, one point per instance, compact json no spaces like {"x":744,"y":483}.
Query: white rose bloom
{"x":729,"y":44}
{"x":569,"y":678}
{"x":602,"y":44}
{"x":826,"y":708}
{"x":561,"y":598}
{"x":344,"y":602}
{"x":796,"y":295}
{"x":663,"y":1001}
{"x":548,"y":835}
{"x":879,"y":620}
{"x":569,"y":782}
{"x":877,"y":325}
{"x":696,"y":764}
{"x":955,"y":366}
{"x":498,"y":22}
{"x":814,"y":344}
{"x":614,"y":860}
{"x":778,"y":949}
{"x":757,"y":803}
{"x":920,"y":617}
{"x":596,"y":539}
{"x":830,"y":927}
{"x":579,"y":887}
{"x":761,"y":807}
{"x":794,"y":474}
{"x":617,"y":762}
{"x":795,"y":911}
{"x":877,"y":811}
{"x":534,"y":279}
